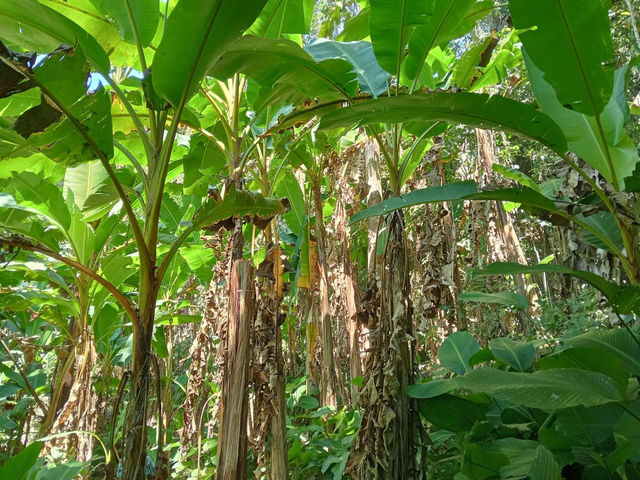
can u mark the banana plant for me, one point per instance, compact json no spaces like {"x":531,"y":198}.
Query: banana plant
{"x":582,"y":126}
{"x":580,"y":116}
{"x":585,"y":121}
{"x":150,"y":117}
{"x":69,"y":126}
{"x":282,"y":74}
{"x":267,"y":167}
{"x":61,"y":217}
{"x":241,"y":154}
{"x":394,"y":28}
{"x":313,"y":158}
{"x":234,"y":103}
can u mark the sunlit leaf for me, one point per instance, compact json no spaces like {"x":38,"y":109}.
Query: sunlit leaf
{"x":196,"y":35}
{"x":477,"y":110}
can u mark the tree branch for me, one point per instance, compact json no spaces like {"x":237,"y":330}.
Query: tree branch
{"x":26,"y":244}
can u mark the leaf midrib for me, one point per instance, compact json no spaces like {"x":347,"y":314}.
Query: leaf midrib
{"x":613,"y":347}
{"x":511,"y":125}
{"x":198,"y":58}
{"x":401,"y":40}
{"x":268,"y":22}
{"x":80,"y":10}
{"x":596,"y":113}
{"x":431,"y":43}
{"x":514,"y":354}
{"x":462,"y":362}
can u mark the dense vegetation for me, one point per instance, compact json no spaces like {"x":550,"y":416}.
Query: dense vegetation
{"x":385,"y":239}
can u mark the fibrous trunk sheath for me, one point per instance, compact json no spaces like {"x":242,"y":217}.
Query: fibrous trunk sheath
{"x":384,"y":448}
{"x":232,"y":439}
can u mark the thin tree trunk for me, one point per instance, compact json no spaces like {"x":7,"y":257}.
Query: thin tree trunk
{"x":328,"y":381}
{"x":279,"y":451}
{"x":372,"y":177}
{"x":136,"y":424}
{"x":135,"y":454}
{"x":79,"y":411}
{"x":307,"y":283}
{"x":216,"y":307}
{"x":164,"y":391}
{"x":268,"y":376}
{"x":349,"y":283}
{"x":61,"y":385}
{"x":435,"y":274}
{"x":503,"y":237}
{"x":305,"y":302}
{"x":385,"y":444}
{"x":232,"y":439}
